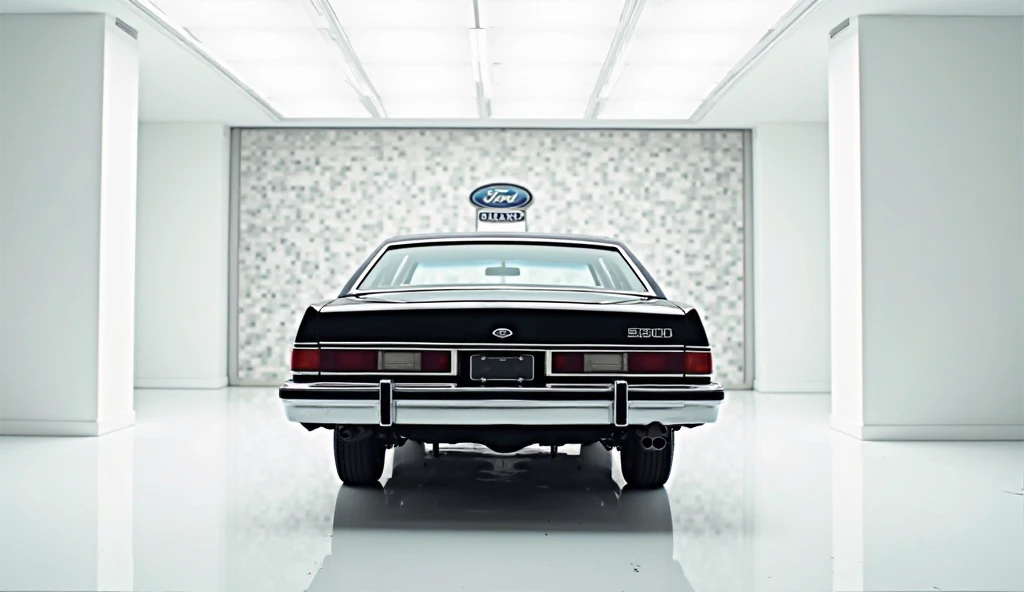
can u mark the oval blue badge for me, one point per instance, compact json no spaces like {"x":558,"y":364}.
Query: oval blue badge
{"x":500,"y":196}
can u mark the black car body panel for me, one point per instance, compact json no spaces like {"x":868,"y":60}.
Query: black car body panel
{"x":531,"y":324}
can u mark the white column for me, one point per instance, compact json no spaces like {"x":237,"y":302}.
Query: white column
{"x":69,"y":113}
{"x":927,"y":227}
{"x":791,"y":303}
{"x":181,"y":322}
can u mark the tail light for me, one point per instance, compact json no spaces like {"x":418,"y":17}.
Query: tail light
{"x":631,"y":363}
{"x":371,"y":360}
{"x":348,"y":360}
{"x":305,"y":360}
{"x":698,"y":362}
{"x":657,"y":363}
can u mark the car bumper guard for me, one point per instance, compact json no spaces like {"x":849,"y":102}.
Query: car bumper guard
{"x":387,"y":403}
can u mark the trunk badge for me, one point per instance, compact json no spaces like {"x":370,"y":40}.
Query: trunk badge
{"x":502,"y":333}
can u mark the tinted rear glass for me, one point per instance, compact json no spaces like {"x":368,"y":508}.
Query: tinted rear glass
{"x":512,"y":264}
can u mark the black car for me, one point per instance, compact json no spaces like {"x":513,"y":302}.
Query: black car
{"x":505,"y":340}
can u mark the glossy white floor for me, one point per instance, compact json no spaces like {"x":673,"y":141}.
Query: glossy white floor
{"x":214,"y":490}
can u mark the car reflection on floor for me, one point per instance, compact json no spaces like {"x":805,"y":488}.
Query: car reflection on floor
{"x":510,"y":522}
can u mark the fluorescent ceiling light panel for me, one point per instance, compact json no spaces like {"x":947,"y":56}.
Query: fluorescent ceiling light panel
{"x":640,"y":81}
{"x":421,"y":80}
{"x":419,"y":108}
{"x":286,"y":44}
{"x":302,"y":107}
{"x":682,"y":49}
{"x":541,"y":109}
{"x":235,"y":13}
{"x":410,"y":46}
{"x":550,"y":14}
{"x":661,"y":46}
{"x":529,"y":81}
{"x":713,"y":14}
{"x":649,"y":109}
{"x":396,"y":14}
{"x":537,"y":46}
{"x":280,"y":79}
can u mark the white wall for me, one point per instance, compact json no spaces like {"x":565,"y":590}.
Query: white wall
{"x":941,"y":239}
{"x":182,"y":269}
{"x":69,"y":110}
{"x":791,"y":258}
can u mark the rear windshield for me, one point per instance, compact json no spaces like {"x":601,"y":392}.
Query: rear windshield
{"x":511,"y":264}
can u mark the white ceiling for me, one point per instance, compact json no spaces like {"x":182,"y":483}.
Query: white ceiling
{"x":787,"y":83}
{"x":790,"y":81}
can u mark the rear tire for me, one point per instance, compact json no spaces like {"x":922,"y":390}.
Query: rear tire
{"x":646,"y":469}
{"x":361,"y":462}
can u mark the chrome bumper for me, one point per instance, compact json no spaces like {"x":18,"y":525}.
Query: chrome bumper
{"x":385,"y":404}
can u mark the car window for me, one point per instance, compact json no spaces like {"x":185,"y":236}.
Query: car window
{"x":511,"y":264}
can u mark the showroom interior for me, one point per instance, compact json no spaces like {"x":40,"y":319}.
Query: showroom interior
{"x":837,"y":186}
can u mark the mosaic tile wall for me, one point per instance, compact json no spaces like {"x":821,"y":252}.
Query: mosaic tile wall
{"x":314,"y":202}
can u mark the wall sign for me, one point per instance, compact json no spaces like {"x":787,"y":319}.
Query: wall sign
{"x":501,"y":203}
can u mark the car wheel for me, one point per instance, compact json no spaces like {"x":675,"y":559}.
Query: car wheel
{"x":359,"y":462}
{"x":646,"y":469}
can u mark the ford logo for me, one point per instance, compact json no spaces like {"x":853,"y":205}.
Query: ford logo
{"x":501,"y":196}
{"x":502,"y":333}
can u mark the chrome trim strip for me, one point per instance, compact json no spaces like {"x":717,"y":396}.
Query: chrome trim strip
{"x":388,"y":373}
{"x":500,"y":288}
{"x":331,"y":386}
{"x":505,"y":346}
{"x":340,"y":403}
{"x":572,"y":242}
{"x":448,"y":388}
{"x":305,"y":372}
{"x":522,"y":404}
{"x":499,"y":304}
{"x":481,"y":390}
{"x":671,"y":404}
{"x":499,"y":412}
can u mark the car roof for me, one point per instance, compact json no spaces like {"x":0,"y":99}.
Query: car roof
{"x":503,"y":235}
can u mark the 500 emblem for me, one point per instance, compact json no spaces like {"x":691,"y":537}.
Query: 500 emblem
{"x":649,"y":333}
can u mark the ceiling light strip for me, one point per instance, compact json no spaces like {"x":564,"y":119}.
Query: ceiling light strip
{"x":152,"y":14}
{"x":612,"y":66}
{"x":481,"y":64}
{"x":354,"y":71}
{"x":787,"y":23}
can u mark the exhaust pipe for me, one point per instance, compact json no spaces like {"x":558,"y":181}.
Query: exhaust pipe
{"x":353,"y":433}
{"x":652,"y":436}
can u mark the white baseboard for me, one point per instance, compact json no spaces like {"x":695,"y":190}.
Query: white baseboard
{"x":36,"y":427}
{"x":792,"y":387}
{"x":1013,"y":432}
{"x":181,"y":383}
